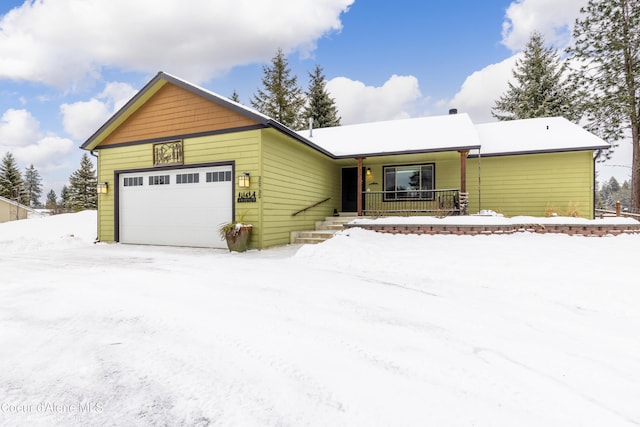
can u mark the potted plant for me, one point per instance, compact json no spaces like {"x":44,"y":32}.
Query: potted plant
{"x":237,"y":234}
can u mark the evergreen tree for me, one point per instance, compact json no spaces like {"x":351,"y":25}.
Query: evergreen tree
{"x":540,"y":90}
{"x":281,"y":99}
{"x":52,"y":202}
{"x":607,"y":47}
{"x":320,"y":106}
{"x":65,"y":199}
{"x":82,"y":186}
{"x":11,"y":183}
{"x":33,"y":186}
{"x":235,"y":97}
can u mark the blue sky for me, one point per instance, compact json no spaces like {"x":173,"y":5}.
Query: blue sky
{"x":66,"y":65}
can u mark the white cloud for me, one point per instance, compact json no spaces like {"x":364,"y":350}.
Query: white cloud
{"x":65,"y":42}
{"x":46,"y":152}
{"x":358,"y":103}
{"x":20,"y":134}
{"x":481,"y":89}
{"x":553,"y":18}
{"x":81,"y":119}
{"x":18,"y":128}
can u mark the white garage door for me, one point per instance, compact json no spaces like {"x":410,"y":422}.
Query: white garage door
{"x":182,"y":207}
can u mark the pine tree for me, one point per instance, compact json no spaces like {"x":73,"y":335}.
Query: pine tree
{"x":281,"y":99}
{"x":33,"y":186}
{"x":320,"y":106}
{"x":65,"y":199}
{"x":52,"y":202}
{"x":11,"y":183}
{"x":235,"y":97}
{"x":607,"y":47}
{"x":540,"y":90}
{"x":82,"y":186}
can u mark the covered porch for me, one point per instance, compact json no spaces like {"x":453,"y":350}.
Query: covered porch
{"x":427,"y":183}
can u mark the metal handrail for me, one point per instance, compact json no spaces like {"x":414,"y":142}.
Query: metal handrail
{"x":311,"y":207}
{"x":437,"y":201}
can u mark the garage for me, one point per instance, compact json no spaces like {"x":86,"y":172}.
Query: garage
{"x":177,"y":207}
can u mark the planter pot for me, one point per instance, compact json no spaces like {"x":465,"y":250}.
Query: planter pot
{"x":238,"y":241}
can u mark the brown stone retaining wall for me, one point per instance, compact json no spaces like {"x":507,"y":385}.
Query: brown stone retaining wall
{"x":472,"y":230}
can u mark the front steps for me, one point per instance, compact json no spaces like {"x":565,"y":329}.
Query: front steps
{"x":324,"y":229}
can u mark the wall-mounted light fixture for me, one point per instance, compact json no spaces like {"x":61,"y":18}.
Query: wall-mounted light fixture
{"x":103,"y":187}
{"x":368,"y":171}
{"x":244,"y":180}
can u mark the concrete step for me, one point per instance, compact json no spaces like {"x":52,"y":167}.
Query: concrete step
{"x":308,"y":240}
{"x":324,"y":229}
{"x":323,"y":234}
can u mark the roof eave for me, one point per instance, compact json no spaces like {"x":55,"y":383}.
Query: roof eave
{"x":546,"y":151}
{"x":404,"y":152}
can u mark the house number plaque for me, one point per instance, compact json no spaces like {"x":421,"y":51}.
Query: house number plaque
{"x":247,"y":197}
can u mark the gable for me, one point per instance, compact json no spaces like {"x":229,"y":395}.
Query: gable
{"x":174,"y":111}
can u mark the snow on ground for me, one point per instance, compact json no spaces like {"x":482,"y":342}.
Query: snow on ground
{"x":365,"y":329}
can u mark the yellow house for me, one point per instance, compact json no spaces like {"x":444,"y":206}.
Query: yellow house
{"x":177,"y":161}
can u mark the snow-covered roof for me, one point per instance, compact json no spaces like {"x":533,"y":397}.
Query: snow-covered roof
{"x":451,"y":132}
{"x":423,"y":134}
{"x":548,"y":134}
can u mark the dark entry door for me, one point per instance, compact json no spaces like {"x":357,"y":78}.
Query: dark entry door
{"x":350,"y":189}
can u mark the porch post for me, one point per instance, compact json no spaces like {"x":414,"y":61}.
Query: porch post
{"x":464,"y":196}
{"x":359,"y":203}
{"x":463,"y":170}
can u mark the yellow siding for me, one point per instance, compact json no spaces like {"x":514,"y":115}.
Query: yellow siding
{"x":533,"y":184}
{"x":294,"y":177}
{"x":243,"y":147}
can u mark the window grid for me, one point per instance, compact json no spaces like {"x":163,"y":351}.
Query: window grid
{"x":188,"y":178}
{"x":221,"y":176}
{"x":159,"y":180}
{"x":133,"y":181}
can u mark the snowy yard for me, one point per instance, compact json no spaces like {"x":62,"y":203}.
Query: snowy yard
{"x":365,"y":329}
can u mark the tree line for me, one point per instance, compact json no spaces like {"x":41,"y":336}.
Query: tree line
{"x":597,"y":82}
{"x":282,"y":99}
{"x":26,"y":188}
{"x":611,"y":192}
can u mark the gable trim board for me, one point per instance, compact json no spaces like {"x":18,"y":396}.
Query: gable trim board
{"x":290,"y":171}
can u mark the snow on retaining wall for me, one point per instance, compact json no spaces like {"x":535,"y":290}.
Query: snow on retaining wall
{"x":589,"y":229}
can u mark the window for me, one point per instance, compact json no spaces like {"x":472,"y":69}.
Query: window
{"x":218,"y":176}
{"x":188,"y":178}
{"x":409,"y":182}
{"x":159,"y":180}
{"x":133,"y":181}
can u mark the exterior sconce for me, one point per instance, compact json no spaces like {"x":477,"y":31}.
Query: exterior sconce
{"x":244,"y":180}
{"x":368,"y":171}
{"x":103,"y":187}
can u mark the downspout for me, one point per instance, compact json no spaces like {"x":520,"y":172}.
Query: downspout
{"x":359,"y":187}
{"x":479,"y":192}
{"x":593,"y":205}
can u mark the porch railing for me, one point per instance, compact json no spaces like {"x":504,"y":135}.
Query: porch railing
{"x":428,"y":202}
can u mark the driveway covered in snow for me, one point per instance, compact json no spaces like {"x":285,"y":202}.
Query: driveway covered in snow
{"x":365,"y":329}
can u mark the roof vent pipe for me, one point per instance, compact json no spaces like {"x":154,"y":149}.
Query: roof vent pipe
{"x":310,"y":127}
{"x":453,"y":111}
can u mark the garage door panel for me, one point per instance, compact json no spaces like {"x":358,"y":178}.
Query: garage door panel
{"x":175,"y":214}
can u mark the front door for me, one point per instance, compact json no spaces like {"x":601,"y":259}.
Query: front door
{"x":350,"y":189}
